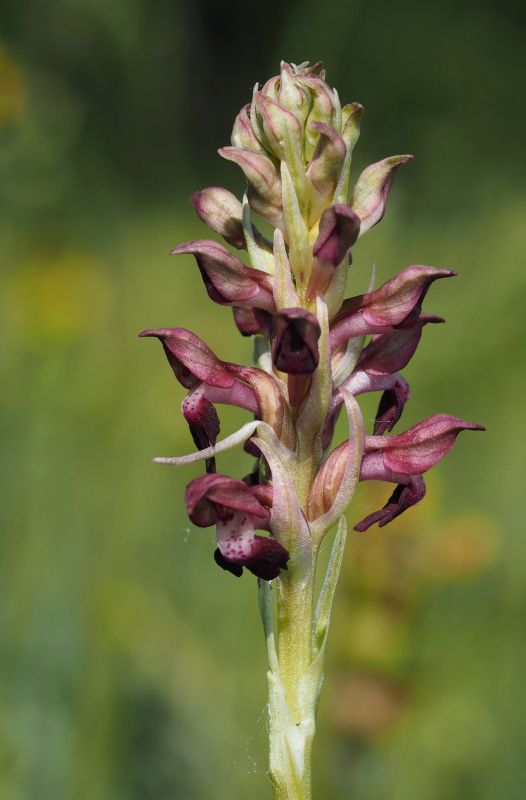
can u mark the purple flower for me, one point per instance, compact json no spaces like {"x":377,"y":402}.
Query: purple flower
{"x":232,"y":506}
{"x":227,"y":280}
{"x":209,"y":381}
{"x":396,"y":304}
{"x":403,"y":458}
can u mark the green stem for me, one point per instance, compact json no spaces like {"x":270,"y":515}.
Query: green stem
{"x":292,"y":695}
{"x":296,"y":670}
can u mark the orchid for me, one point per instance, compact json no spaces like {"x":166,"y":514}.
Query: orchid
{"x":315,"y":352}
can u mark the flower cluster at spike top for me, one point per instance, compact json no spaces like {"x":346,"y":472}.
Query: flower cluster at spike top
{"x":294,"y":144}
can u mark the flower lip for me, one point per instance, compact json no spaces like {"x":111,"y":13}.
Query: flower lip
{"x":221,"y":211}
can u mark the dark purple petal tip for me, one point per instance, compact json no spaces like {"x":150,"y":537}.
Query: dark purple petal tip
{"x":295,"y":350}
{"x":403,"y":497}
{"x":339,"y":229}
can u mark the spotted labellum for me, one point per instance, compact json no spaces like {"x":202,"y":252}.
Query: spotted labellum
{"x":316,"y":351}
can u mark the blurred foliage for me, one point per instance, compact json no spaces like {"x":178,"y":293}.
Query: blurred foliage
{"x":132,"y":668}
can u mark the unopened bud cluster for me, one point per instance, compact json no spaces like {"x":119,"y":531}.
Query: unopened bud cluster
{"x":294,"y":144}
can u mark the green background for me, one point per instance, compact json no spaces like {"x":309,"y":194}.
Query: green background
{"x":132,"y":667}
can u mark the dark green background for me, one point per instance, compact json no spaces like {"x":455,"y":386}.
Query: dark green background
{"x":132,"y":667}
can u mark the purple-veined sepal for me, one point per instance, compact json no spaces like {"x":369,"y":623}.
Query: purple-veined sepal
{"x":397,"y":304}
{"x":402,"y":459}
{"x":420,"y":447}
{"x":372,"y":188}
{"x":227,"y":280}
{"x":209,"y":381}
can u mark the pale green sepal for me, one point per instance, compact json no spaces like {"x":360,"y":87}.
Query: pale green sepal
{"x":297,"y":235}
{"x":351,"y":474}
{"x":256,"y":127}
{"x":287,"y":521}
{"x":314,"y":412}
{"x":265,"y":599}
{"x":335,"y":294}
{"x":285,"y":295}
{"x":263,"y":360}
{"x":348,"y":361}
{"x":322,"y":615}
{"x":268,"y":435}
{"x":337,"y":114}
{"x":261,"y":257}
{"x":351,"y":118}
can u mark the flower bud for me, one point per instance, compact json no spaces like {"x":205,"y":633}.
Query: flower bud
{"x":369,"y":198}
{"x":264,"y":182}
{"x":292,"y":95}
{"x":227,"y":280}
{"x":327,"y":482}
{"x":327,"y":162}
{"x":222,"y":212}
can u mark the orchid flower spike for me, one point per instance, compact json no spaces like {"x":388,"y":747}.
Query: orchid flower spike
{"x":316,"y":352}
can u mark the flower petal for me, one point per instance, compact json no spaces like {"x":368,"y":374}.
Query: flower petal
{"x":422,"y":446}
{"x":210,"y":498}
{"x":191,"y":359}
{"x":253,"y":321}
{"x":338,"y":231}
{"x":336,"y":482}
{"x":227,"y":280}
{"x":203,"y":422}
{"x":327,"y":162}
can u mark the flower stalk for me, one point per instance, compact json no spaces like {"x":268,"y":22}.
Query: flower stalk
{"x":315,"y":353}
